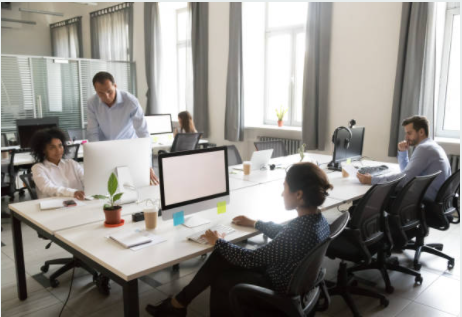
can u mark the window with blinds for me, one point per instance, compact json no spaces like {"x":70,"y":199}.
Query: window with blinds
{"x":37,"y":87}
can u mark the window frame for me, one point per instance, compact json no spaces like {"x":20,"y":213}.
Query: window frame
{"x":293,"y":31}
{"x":179,"y":45}
{"x":445,"y":60}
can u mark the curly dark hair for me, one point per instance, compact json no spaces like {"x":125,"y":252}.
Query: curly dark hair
{"x":41,"y":138}
{"x":311,"y":180}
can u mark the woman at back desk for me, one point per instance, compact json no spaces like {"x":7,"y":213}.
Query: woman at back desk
{"x":186,"y":124}
{"x":54,"y":175}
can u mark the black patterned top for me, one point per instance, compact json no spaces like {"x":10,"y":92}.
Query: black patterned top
{"x":283,"y":253}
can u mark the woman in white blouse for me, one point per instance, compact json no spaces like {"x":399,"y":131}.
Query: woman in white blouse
{"x":54,"y":175}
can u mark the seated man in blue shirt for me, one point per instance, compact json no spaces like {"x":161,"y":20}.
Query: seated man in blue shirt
{"x":428,"y":158}
{"x":113,"y":114}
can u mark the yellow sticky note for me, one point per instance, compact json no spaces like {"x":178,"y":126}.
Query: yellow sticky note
{"x":348,"y":161}
{"x":221,"y":206}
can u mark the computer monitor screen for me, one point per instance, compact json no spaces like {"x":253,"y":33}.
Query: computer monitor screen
{"x":27,"y":127}
{"x":159,"y":123}
{"x":192,"y":181}
{"x":104,"y":158}
{"x":355,"y":150}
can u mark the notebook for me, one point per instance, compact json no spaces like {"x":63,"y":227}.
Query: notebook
{"x":130,"y":239}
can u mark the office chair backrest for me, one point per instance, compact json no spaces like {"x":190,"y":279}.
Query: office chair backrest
{"x":30,"y":184}
{"x":234,"y":158}
{"x":185,"y":142}
{"x":307,"y":272}
{"x":76,"y":134}
{"x":408,"y":203}
{"x":368,"y":214}
{"x":73,"y":151}
{"x":448,"y":190}
{"x":4,"y":140}
{"x":338,"y":225}
{"x":278,"y":147}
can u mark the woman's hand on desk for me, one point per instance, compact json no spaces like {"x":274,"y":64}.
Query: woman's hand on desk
{"x":212,"y":236}
{"x":244,"y":221}
{"x":153,"y":177}
{"x":364,"y":178}
{"x":80,"y":195}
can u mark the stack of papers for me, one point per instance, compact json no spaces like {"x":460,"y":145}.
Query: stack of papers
{"x":136,"y":239}
{"x":58,"y":203}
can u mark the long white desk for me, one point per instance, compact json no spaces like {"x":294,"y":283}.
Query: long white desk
{"x":80,"y":230}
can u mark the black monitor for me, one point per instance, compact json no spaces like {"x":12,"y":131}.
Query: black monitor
{"x":27,"y":127}
{"x":354,"y":151}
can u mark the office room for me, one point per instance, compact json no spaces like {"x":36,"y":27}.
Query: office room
{"x":303,"y":159}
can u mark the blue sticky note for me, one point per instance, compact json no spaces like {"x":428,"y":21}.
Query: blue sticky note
{"x":178,"y":218}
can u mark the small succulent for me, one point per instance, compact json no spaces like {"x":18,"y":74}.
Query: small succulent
{"x":112,"y":185}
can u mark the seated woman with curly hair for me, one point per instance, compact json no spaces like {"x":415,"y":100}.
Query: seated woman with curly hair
{"x":271,"y":265}
{"x":54,"y":175}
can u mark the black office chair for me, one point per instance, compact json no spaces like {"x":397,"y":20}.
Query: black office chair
{"x":234,"y":158}
{"x":77,"y":134}
{"x":278,"y":147}
{"x":28,"y":180}
{"x":364,"y":237}
{"x":303,"y":293}
{"x":184,"y":142}
{"x":439,"y":215}
{"x":9,"y":188}
{"x":4,"y":140}
{"x":406,"y":216}
{"x":73,"y":152}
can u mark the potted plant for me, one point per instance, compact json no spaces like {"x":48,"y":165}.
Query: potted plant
{"x":280,"y":114}
{"x":301,"y":151}
{"x":111,"y":210}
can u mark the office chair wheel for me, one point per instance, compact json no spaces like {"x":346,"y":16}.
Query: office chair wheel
{"x":44,"y":268}
{"x":54,"y":283}
{"x":418,"y":280}
{"x":417,"y":266}
{"x":384,"y":302}
{"x":389,"y":289}
{"x":451,"y":264}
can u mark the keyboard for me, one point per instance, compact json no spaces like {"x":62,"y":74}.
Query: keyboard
{"x":219,"y":228}
{"x":373,"y":170}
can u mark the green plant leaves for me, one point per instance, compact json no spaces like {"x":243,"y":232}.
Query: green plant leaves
{"x":112,"y":184}
{"x":107,"y":206}
{"x":117,"y":197}
{"x":99,"y":197}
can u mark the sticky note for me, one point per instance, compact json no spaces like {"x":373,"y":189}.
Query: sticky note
{"x":348,"y":161}
{"x":178,"y":218}
{"x":221,"y":206}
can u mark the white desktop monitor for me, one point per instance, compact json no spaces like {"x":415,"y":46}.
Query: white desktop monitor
{"x":258,"y":160}
{"x":193,"y":181}
{"x":159,"y":123}
{"x":103,"y":158}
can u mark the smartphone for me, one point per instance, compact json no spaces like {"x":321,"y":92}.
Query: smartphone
{"x":69,"y":203}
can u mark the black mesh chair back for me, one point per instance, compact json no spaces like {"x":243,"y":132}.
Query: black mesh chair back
{"x":77,"y":134}
{"x":73,"y":152}
{"x":439,"y":213}
{"x":368,"y":214}
{"x":338,"y":225}
{"x":185,"y":142}
{"x":234,"y":158}
{"x":30,"y":184}
{"x":278,"y":147}
{"x":4,"y":140}
{"x":408,"y":203}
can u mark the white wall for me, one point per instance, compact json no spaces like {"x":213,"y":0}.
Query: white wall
{"x":363,"y":64}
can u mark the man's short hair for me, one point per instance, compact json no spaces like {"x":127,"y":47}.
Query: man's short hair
{"x":101,"y":78}
{"x":418,"y":122}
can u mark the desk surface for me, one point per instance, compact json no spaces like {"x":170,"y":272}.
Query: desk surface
{"x":266,"y":204}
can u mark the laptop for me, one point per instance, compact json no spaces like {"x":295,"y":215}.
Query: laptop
{"x":259,"y":159}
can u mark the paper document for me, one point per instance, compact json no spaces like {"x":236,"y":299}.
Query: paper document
{"x":350,"y":169}
{"x":136,"y":239}
{"x":58,"y":203}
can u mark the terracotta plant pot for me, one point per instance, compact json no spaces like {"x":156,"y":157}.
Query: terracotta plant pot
{"x":280,"y":123}
{"x":113,"y":215}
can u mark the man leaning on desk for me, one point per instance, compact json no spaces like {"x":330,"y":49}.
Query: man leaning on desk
{"x":428,"y":158}
{"x":113,"y":114}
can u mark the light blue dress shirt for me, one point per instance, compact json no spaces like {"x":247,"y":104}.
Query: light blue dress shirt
{"x":123,"y":120}
{"x":428,"y":158}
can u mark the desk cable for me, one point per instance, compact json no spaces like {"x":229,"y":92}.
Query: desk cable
{"x":154,"y":202}
{"x":68,"y":295}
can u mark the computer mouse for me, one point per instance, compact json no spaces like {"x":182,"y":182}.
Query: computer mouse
{"x":272,"y":167}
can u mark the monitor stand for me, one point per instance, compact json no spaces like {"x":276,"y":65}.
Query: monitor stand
{"x":335,"y":166}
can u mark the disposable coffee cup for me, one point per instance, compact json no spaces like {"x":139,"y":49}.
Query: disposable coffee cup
{"x":344,"y":173}
{"x":247,"y":165}
{"x":150,"y":218}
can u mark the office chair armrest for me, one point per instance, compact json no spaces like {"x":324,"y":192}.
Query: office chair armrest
{"x":354,"y":237}
{"x":423,"y":221}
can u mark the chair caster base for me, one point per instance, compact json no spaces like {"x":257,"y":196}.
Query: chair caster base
{"x":44,"y":268}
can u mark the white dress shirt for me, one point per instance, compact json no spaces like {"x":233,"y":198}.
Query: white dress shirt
{"x":63,"y":179}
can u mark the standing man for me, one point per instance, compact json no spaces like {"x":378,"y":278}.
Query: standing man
{"x":113,"y":114}
{"x":428,"y":158}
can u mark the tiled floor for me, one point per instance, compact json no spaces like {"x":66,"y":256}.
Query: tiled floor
{"x":439,"y":295}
